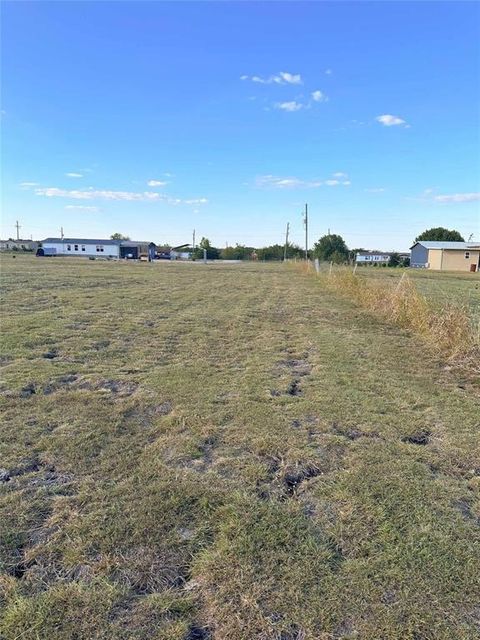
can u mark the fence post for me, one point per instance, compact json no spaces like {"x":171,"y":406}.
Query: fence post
{"x":317,"y":265}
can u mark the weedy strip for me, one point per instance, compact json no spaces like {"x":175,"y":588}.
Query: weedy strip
{"x":448,"y":328}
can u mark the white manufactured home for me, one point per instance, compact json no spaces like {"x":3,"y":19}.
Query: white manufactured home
{"x":371,"y":257}
{"x":80,"y":247}
{"x":99,"y":248}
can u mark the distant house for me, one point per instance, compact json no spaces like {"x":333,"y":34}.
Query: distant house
{"x":446,"y":256}
{"x":100,"y":248}
{"x":371,"y":257}
{"x":18,"y":245}
{"x":375,"y":257}
{"x":182,"y":252}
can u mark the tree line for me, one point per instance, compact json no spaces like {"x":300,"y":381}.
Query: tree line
{"x":329,"y":248}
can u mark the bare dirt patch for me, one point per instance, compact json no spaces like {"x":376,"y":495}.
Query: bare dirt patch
{"x":421,"y":437}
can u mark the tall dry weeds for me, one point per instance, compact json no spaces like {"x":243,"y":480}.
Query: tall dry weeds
{"x":448,"y":328}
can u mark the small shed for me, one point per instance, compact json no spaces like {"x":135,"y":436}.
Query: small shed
{"x":445,"y":256}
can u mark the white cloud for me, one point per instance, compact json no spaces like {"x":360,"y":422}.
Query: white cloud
{"x":196,"y":201}
{"x":283,"y":77}
{"x":28,"y":185}
{"x":157,"y":183}
{"x":328,"y":72}
{"x":79,"y":207}
{"x":375,"y":190}
{"x":389,"y":120}
{"x":459,"y":197}
{"x":292,"y":182}
{"x":318,"y":96}
{"x":289,"y":78}
{"x":279,"y":183}
{"x":74,"y":175}
{"x":290,"y":106}
{"x":102,"y":194}
{"x":340,"y":174}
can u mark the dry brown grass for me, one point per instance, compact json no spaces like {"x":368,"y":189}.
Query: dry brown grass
{"x":449,"y":329}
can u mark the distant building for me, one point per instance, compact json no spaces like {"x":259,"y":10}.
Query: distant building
{"x":376,"y":257}
{"x":446,"y":256}
{"x":87,"y":248}
{"x":18,"y":245}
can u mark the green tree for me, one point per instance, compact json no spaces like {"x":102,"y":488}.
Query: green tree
{"x":238,"y":252}
{"x":331,"y":248}
{"x":276,"y":252}
{"x":440,"y":233}
{"x":119,"y":236}
{"x":212,"y":252}
{"x":394,"y":260}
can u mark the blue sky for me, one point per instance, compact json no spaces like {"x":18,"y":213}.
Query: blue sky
{"x":154,"y":118}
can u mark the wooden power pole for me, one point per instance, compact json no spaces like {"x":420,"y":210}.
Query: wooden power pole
{"x":286,"y":242}
{"x":18,"y":226}
{"x":305,"y":222}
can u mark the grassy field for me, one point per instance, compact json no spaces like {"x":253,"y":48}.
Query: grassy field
{"x":440,"y":286}
{"x":228,"y":452}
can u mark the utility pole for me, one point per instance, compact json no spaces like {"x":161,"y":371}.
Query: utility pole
{"x":18,"y":229}
{"x":61,"y":233}
{"x":193,"y":240}
{"x":305,"y":222}
{"x":286,"y":242}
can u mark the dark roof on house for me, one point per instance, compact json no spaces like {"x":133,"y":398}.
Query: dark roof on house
{"x":122,"y":243}
{"x":380,"y":253}
{"x":82,"y":241}
{"x":372,"y":253}
{"x":134,"y":243}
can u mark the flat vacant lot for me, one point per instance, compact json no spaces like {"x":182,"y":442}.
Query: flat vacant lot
{"x":227,"y":452}
{"x":440,"y":286}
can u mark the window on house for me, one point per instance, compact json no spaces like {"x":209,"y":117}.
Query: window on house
{"x":467,"y":255}
{"x":69,"y":247}
{"x":83,"y":247}
{"x":75,"y":246}
{"x":99,"y":248}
